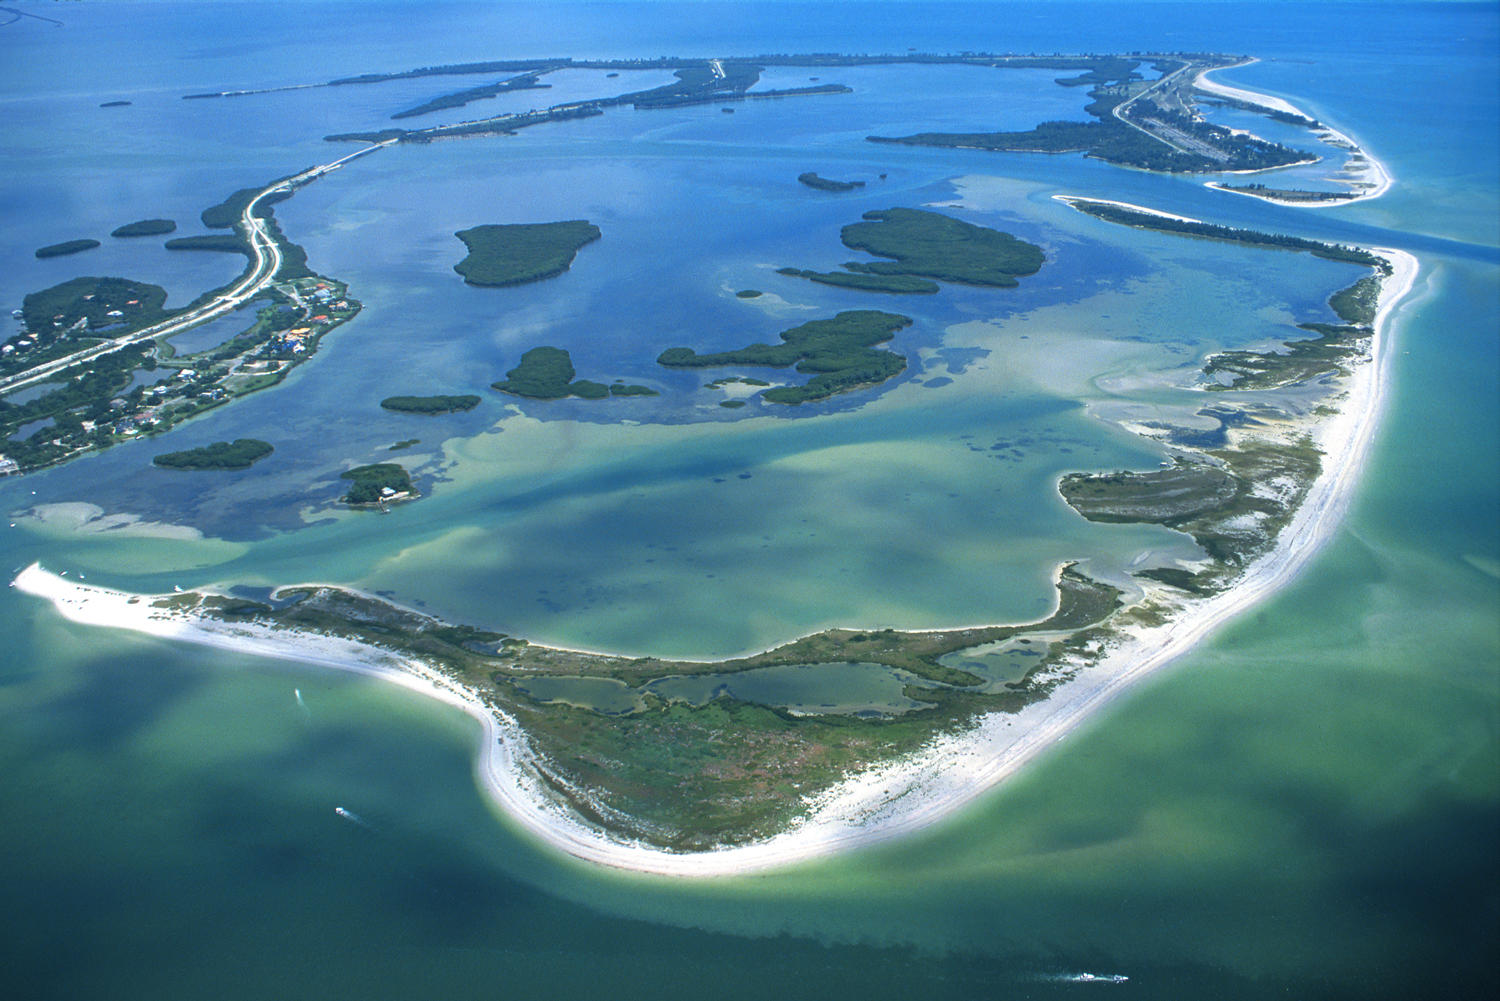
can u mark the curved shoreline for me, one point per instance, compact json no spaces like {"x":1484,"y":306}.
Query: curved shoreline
{"x":882,"y":803}
{"x":1377,"y":176}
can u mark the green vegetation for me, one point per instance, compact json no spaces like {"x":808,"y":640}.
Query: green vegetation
{"x":93,"y":300}
{"x":377,"y":136}
{"x":1357,"y":303}
{"x":620,"y":389}
{"x":404,"y":443}
{"x":1327,"y":354}
{"x":1151,"y":126}
{"x":517,"y":254}
{"x":228,"y":212}
{"x":457,"y":99}
{"x":93,"y":408}
{"x":749,"y":293}
{"x":546,"y":373}
{"x":429,"y":404}
{"x":1287,"y":194}
{"x":378,"y":483}
{"x":1165,"y":496}
{"x":115,"y":104}
{"x":924,"y":246}
{"x":1127,"y":216}
{"x":145,"y":227}
{"x":897,"y":284}
{"x":65,"y":248}
{"x":937,"y":246}
{"x":1183,"y":580}
{"x":812,"y":180}
{"x":731,"y":404}
{"x":213,"y":241}
{"x":1213,"y":499}
{"x":836,"y":352}
{"x":238,"y":454}
{"x":689,"y":776}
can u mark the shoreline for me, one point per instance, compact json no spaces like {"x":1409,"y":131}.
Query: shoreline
{"x":1375,"y":173}
{"x":882,"y":803}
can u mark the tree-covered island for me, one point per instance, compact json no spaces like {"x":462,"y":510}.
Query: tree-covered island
{"x":502,"y":255}
{"x":429,"y":404}
{"x":145,"y":227}
{"x":838,"y":353}
{"x":925,"y":248}
{"x":378,"y":484}
{"x":812,"y":180}
{"x":65,"y":248}
{"x":546,"y":373}
{"x":241,"y":453}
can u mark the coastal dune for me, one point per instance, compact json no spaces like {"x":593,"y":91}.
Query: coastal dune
{"x":876,"y":805}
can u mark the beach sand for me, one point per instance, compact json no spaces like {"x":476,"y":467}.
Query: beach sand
{"x":884,"y":802}
{"x":1373,"y":181}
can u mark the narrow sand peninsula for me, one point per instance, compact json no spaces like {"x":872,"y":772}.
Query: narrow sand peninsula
{"x":1370,"y":180}
{"x":878,"y":805}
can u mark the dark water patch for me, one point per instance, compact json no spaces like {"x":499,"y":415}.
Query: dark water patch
{"x":114,"y":703}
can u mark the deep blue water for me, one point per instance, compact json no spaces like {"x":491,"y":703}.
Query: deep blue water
{"x":1306,"y":807}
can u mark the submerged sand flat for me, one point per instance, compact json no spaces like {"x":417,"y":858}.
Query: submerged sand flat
{"x":884,"y":802}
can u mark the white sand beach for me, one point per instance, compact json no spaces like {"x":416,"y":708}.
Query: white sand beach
{"x":882,"y":803}
{"x":1368,"y":178}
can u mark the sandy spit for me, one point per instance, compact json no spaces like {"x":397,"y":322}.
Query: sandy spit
{"x":1374,"y":174}
{"x":882,"y":803}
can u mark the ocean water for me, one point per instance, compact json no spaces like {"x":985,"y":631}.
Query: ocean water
{"x":1305,"y":806}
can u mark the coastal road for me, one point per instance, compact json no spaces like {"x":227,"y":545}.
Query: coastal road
{"x":266,"y":259}
{"x":1123,"y":106}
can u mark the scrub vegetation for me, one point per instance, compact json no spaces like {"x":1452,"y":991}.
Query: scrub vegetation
{"x":687,"y":776}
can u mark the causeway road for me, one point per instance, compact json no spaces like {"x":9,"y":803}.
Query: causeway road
{"x":266,"y":259}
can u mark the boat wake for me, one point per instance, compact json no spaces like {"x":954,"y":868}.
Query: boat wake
{"x":353,"y":818}
{"x":1087,"y":978}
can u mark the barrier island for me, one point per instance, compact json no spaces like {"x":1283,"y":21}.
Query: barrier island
{"x":663,"y":765}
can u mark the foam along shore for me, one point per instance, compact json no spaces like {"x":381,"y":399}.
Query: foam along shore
{"x":1368,"y":180}
{"x":884,"y":802}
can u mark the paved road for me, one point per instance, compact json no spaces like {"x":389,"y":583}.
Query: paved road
{"x":1120,"y":108}
{"x":266,"y":261}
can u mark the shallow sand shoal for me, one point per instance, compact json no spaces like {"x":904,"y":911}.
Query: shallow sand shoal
{"x":887,"y":801}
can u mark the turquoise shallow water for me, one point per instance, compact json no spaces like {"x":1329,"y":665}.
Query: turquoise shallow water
{"x":1306,"y":806}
